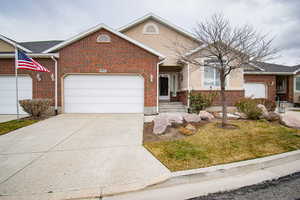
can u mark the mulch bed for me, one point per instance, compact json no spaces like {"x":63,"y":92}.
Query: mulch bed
{"x":172,"y":132}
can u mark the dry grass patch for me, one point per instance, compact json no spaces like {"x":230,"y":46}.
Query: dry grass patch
{"x":12,"y":125}
{"x":212,"y":145}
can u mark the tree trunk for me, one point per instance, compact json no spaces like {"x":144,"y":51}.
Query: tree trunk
{"x":223,"y":99}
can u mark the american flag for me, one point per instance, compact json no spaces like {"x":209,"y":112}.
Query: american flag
{"x":25,"y":62}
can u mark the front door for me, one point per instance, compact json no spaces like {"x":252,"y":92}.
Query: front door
{"x":164,"y":93}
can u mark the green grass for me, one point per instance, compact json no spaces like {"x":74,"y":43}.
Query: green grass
{"x":212,"y":145}
{"x":6,"y":127}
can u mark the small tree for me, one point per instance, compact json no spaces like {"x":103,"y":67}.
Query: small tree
{"x":230,"y":47}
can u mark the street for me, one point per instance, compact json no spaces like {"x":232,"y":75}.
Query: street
{"x":285,"y":188}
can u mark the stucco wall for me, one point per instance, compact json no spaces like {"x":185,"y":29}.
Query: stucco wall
{"x":5,"y":47}
{"x":161,"y":42}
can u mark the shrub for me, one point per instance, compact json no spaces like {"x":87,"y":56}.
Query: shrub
{"x":200,"y":101}
{"x":36,"y":107}
{"x":249,"y":107}
{"x":269,"y":104}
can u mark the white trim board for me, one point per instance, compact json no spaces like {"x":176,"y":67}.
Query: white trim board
{"x":160,"y":20}
{"x":14,"y":44}
{"x":96,"y":28}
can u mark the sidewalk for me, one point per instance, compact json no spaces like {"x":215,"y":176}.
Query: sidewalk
{"x":189,"y":186}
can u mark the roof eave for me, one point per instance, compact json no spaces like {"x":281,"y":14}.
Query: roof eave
{"x":15,"y":44}
{"x":96,"y":28}
{"x":270,"y":73}
{"x":33,"y":55}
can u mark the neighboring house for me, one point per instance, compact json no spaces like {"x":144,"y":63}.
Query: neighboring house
{"x":130,"y":70}
{"x":272,"y":81}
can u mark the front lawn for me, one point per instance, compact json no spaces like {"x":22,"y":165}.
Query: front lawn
{"x":212,"y":145}
{"x":6,"y":127}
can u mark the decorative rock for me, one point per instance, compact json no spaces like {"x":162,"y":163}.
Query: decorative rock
{"x":190,"y":127}
{"x":178,"y":119}
{"x":192,"y":118}
{"x":272,"y":116}
{"x":241,"y":115}
{"x":264,"y":111}
{"x":160,"y":125}
{"x":185,"y":131}
{"x":229,"y":115}
{"x":290,"y":121}
{"x":204,"y":115}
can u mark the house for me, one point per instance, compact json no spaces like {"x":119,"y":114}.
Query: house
{"x":129,"y":70}
{"x":272,"y":81}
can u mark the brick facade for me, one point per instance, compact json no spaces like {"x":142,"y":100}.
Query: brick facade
{"x":268,"y":80}
{"x":87,"y":56}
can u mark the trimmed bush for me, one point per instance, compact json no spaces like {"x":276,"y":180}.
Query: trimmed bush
{"x":36,"y":107}
{"x":249,"y":107}
{"x":200,"y":101}
{"x":269,"y":104}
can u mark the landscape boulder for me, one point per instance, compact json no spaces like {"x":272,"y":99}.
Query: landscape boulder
{"x":273,"y":116}
{"x":192,"y":118}
{"x":229,"y":116}
{"x":160,"y":124}
{"x":190,"y":127}
{"x":264,"y":111}
{"x":204,"y":115}
{"x":290,"y":121}
{"x":185,"y":131}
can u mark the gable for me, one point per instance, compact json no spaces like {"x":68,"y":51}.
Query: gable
{"x":6,"y":47}
{"x":162,"y":41}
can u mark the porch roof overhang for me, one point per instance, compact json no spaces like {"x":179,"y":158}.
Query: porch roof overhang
{"x":270,"y":73}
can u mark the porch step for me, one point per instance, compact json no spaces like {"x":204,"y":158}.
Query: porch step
{"x":171,"y":107}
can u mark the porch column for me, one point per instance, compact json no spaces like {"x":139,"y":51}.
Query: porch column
{"x":188,"y":85}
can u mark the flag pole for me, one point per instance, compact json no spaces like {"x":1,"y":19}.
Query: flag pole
{"x":16,"y":76}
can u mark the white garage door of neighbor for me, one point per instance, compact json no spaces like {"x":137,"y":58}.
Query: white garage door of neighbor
{"x":255,"y":90}
{"x":103,"y":94}
{"x":8,"y":93}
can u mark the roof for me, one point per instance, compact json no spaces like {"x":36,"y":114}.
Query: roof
{"x":14,"y":43}
{"x":160,"y":20}
{"x":270,"y":68}
{"x":40,"y":46}
{"x":96,"y":28}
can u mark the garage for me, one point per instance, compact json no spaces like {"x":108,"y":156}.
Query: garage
{"x":103,"y":94}
{"x":255,"y":90}
{"x":8,"y":93}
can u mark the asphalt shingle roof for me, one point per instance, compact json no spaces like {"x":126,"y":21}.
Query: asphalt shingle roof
{"x":270,"y":67}
{"x":39,"y":46}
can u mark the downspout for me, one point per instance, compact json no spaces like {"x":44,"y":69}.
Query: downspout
{"x":157,"y":85}
{"x":188,"y":85}
{"x":55,"y":74}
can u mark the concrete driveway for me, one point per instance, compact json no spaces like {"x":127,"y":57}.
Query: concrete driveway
{"x":77,"y":155}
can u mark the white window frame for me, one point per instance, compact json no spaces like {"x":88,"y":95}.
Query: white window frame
{"x":295,"y":81}
{"x":150,"y":33}
{"x":212,"y":87}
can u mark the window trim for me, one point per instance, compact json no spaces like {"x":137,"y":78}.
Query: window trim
{"x":150,"y":33}
{"x":212,"y":87}
{"x":295,"y":83}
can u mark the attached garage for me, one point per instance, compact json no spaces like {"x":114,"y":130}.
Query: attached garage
{"x":103,"y":94}
{"x":255,"y":90}
{"x":8,"y":93}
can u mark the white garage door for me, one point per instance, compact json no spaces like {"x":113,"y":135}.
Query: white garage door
{"x":255,"y":90}
{"x":8,"y":93}
{"x":103,"y":94}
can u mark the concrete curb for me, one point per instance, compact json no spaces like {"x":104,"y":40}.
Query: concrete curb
{"x":231,"y":169}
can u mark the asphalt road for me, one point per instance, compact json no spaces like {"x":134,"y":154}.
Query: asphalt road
{"x":285,"y":188}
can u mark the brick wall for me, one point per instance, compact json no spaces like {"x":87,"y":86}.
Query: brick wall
{"x":268,"y":80}
{"x":41,"y":89}
{"x":88,"y":56}
{"x":119,"y":56}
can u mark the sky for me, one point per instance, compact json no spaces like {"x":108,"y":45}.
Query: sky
{"x":34,"y":20}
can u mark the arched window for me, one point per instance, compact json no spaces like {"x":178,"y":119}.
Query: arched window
{"x":103,"y":38}
{"x":150,"y":28}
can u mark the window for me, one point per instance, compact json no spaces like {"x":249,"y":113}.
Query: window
{"x":211,"y":75}
{"x":297,"y":83}
{"x":103,"y":38}
{"x":150,"y":28}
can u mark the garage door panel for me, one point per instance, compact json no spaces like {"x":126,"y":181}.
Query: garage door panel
{"x":8,"y":93}
{"x":255,"y":90}
{"x":103,"y":94}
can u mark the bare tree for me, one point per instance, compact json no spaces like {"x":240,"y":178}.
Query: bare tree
{"x":230,"y":47}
